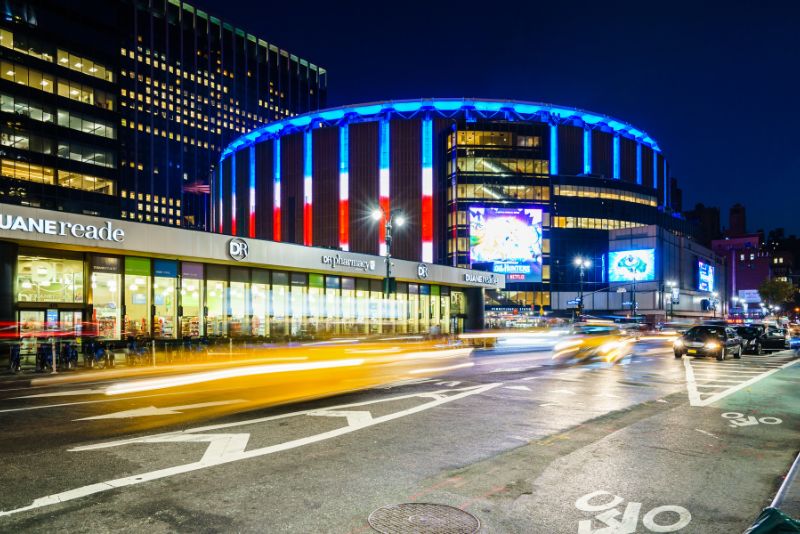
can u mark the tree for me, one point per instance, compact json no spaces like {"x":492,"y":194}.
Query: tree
{"x":776,"y":291}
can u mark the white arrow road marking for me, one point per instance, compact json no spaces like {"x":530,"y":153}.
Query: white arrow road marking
{"x":227,"y":448}
{"x":152,"y":410}
{"x":355,"y":418}
{"x":694,"y":394}
{"x":451,"y":384}
{"x":62,"y":394}
{"x":520,"y":388}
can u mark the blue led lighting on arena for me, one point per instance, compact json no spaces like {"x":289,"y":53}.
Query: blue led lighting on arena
{"x":615,"y":158}
{"x":444,"y":108}
{"x":587,"y":151}
{"x":639,"y":163}
{"x":553,"y":149}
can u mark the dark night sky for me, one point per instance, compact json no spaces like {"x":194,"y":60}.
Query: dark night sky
{"x":716,"y":85}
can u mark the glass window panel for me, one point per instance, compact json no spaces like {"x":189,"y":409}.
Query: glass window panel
{"x":49,"y":279}
{"x":166,"y":307}
{"x":107,"y":304}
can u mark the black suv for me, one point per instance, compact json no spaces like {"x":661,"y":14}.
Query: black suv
{"x":709,"y":340}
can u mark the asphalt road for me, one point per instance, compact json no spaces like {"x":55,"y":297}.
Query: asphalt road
{"x":651,"y":444}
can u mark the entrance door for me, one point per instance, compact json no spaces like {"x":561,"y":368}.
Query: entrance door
{"x":71,"y":322}
{"x":31,"y":328}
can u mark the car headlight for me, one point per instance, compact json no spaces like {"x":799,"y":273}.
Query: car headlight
{"x":678,"y":343}
{"x":712,"y":345}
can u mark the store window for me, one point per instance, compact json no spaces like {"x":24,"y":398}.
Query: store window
{"x":239,"y":308}
{"x":280,"y":305}
{"x":444,"y":321}
{"x":375,"y":307}
{"x":106,"y":296}
{"x":299,"y":304}
{"x":435,"y":311}
{"x":424,"y":308}
{"x":413,"y":308}
{"x":362,"y":306}
{"x":259,"y":302}
{"x":402,"y":308}
{"x":165,"y":283}
{"x":49,"y":279}
{"x":192,"y":300}
{"x":137,"y":297}
{"x":349,"y":305}
{"x":316,"y":289}
{"x":216,"y":293}
{"x":333,"y":305}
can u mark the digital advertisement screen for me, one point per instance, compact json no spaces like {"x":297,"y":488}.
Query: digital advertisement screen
{"x":632,"y":265}
{"x":705,"y":276}
{"x":508,"y":238}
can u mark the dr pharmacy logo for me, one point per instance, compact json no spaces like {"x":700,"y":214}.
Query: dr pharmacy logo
{"x":669,"y":518}
{"x":238,"y":249}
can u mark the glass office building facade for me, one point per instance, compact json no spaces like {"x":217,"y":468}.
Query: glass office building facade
{"x":121,"y":108}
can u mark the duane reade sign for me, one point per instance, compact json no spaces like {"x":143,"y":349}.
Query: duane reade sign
{"x":481,"y":278}
{"x":33,"y":225}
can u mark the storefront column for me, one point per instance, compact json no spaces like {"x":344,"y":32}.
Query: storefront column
{"x":8,"y":277}
{"x":475,"y":308}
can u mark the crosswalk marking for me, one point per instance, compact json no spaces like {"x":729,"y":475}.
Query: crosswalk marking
{"x":708,"y":382}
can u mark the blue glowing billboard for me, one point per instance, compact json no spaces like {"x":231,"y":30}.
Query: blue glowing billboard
{"x":632,"y":265}
{"x":510,"y":239}
{"x":705,"y":276}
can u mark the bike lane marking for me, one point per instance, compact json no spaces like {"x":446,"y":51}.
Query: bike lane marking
{"x":227,"y":448}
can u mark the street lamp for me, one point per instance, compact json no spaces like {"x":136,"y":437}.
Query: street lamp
{"x":715,"y":300}
{"x":582,"y":264}
{"x":671,"y":284}
{"x":394,"y":217}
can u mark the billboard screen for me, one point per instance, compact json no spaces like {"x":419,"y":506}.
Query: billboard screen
{"x":705,"y":276}
{"x":632,"y":265}
{"x":510,"y":239}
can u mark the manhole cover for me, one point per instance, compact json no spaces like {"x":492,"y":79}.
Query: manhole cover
{"x":423,"y":518}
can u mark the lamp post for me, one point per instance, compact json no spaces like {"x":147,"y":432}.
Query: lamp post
{"x":582,"y":264}
{"x":395,"y":216}
{"x":671,"y":284}
{"x":633,"y":297}
{"x":714,"y":301}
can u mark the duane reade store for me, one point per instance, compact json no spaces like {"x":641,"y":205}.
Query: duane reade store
{"x":61,"y":271}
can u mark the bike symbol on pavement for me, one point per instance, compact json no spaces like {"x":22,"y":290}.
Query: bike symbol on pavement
{"x":667,"y":518}
{"x":739,"y":419}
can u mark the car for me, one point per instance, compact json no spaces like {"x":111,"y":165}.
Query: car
{"x":594,"y":341}
{"x":758,"y":338}
{"x":709,"y":340}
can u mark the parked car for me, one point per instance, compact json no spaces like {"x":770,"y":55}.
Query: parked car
{"x":758,"y":338}
{"x":709,"y":340}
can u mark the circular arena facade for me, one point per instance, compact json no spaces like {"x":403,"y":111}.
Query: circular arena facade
{"x":469,"y":176}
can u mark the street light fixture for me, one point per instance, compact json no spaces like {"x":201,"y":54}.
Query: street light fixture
{"x":582,"y":264}
{"x":394,"y":217}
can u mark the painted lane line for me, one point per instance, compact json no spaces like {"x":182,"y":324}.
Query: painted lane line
{"x":563,"y":391}
{"x":27,"y":408}
{"x":62,"y":394}
{"x":549,"y":404}
{"x":227,"y":448}
{"x":691,"y":386}
{"x":519,"y":388}
{"x":153,"y":410}
{"x":706,"y":433}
